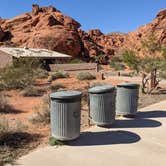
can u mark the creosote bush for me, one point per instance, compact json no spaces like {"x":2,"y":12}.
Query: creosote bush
{"x":85,"y":76}
{"x":41,"y":73}
{"x":19,"y":75}
{"x":55,"y":75}
{"x":16,"y":78}
{"x":116,"y":63}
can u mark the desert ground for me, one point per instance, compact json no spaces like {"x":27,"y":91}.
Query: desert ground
{"x":36,"y":134}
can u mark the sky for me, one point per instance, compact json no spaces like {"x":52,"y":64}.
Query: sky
{"x":106,"y":15}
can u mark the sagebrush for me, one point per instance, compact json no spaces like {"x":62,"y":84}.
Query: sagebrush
{"x":85,"y":76}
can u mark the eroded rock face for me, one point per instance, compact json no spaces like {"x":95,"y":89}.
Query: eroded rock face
{"x":59,"y":39}
{"x":47,"y":27}
{"x":156,"y":27}
{"x":2,"y":34}
{"x":35,"y":9}
{"x":96,"y":43}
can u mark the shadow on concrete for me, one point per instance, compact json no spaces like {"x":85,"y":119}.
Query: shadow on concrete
{"x":106,"y":138}
{"x":152,"y":114}
{"x":136,"y":123}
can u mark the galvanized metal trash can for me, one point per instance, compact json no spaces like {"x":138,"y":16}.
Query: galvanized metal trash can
{"x":65,"y":110}
{"x":102,"y":104}
{"x":127,"y":99}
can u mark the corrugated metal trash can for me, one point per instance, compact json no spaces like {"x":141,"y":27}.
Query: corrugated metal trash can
{"x":65,"y":110}
{"x":127,"y":99}
{"x":102,"y":104}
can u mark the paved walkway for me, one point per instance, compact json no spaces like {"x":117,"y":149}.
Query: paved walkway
{"x":130,"y":142}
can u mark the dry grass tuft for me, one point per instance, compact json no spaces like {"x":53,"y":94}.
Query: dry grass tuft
{"x":42,"y":114}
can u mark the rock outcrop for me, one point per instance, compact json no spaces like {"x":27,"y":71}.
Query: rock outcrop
{"x":47,"y":27}
{"x":157,"y":27}
{"x":2,"y":34}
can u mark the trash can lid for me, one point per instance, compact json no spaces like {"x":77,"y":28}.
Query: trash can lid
{"x":65,"y":95}
{"x":101,"y":89}
{"x":128,"y":85}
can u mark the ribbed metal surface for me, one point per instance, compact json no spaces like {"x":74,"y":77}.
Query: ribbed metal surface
{"x":102,"y":108}
{"x":127,"y":100}
{"x":65,"y":119}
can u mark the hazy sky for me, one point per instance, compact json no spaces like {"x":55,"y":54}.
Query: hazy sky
{"x":107,"y":15}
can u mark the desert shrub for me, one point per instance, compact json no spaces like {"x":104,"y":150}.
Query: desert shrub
{"x":53,"y":142}
{"x":85,"y":76}
{"x":9,"y":128}
{"x":163,"y":74}
{"x":21,"y":74}
{"x":3,"y":103}
{"x":57,"y":75}
{"x":130,"y":58}
{"x":42,"y":114}
{"x":116,"y":63}
{"x":9,"y":138}
{"x":56,"y":86}
{"x":101,"y":59}
{"x":16,"y":78}
{"x":31,"y":91}
{"x":41,"y":73}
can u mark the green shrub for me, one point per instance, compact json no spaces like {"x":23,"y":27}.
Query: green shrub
{"x":57,"y":75}
{"x":16,"y":78}
{"x":56,"y":86}
{"x":31,"y":91}
{"x":116,"y":63}
{"x":40,"y":73}
{"x":21,"y":74}
{"x":53,"y":141}
{"x":130,"y":58}
{"x":85,"y":76}
{"x":162,"y":74}
{"x":42,"y":114}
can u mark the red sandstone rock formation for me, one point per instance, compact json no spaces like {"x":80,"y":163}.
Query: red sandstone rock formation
{"x":2,"y":34}
{"x":156,"y":27}
{"x":47,"y":27}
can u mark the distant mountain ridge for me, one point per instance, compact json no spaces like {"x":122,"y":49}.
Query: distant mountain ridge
{"x":47,"y":27}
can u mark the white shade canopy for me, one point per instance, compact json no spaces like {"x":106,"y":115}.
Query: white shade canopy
{"x":33,"y":52}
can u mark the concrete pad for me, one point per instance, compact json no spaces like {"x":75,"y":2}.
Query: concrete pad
{"x":130,"y":142}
